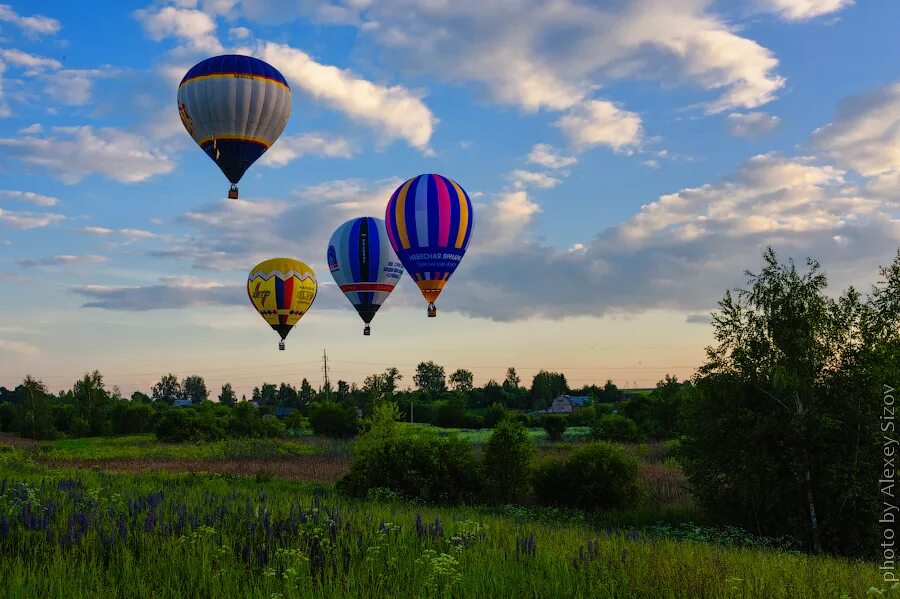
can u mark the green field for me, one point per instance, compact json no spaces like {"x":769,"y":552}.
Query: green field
{"x":87,"y":533}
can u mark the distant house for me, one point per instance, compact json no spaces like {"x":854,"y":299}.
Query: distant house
{"x":182,"y":403}
{"x":564,"y":404}
{"x":283,"y":411}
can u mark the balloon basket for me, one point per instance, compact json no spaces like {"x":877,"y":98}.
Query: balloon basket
{"x":432,"y":310}
{"x":367,"y":331}
{"x":233,"y":195}
{"x":281,"y":345}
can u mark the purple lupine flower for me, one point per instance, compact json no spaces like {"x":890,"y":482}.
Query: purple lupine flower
{"x":4,"y":526}
{"x":150,"y":521}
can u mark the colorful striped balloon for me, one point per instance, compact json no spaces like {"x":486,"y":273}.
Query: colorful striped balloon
{"x":234,"y":107}
{"x":363,"y":265}
{"x":429,"y":222}
{"x":282,"y":290}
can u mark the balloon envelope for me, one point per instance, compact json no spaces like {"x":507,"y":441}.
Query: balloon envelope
{"x":234,"y":107}
{"x":363,"y":264}
{"x":429,"y":222}
{"x":282,"y":290}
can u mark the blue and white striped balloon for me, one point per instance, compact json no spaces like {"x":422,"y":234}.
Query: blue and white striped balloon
{"x":234,"y":107}
{"x":364,"y":265}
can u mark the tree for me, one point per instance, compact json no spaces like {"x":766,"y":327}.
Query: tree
{"x":430,"y":378}
{"x":546,"y":386}
{"x":266,"y":395}
{"x":194,"y":389}
{"x":554,"y":425}
{"x":90,"y":399}
{"x":508,"y":459}
{"x":34,"y":405}
{"x":610,"y":393}
{"x":140,"y":397}
{"x":780,"y":436}
{"x":512,"y":380}
{"x":227,"y":397}
{"x":287,"y":395}
{"x":462,"y":380}
{"x":343,"y":389}
{"x":167,"y":390}
{"x":307,"y":394}
{"x":331,"y":419}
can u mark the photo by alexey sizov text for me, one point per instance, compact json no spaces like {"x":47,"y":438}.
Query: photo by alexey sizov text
{"x":888,"y":488}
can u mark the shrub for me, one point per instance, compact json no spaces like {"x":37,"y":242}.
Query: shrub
{"x":179,"y":425}
{"x":614,"y":427}
{"x":415,"y":465}
{"x":333,"y":420}
{"x":582,"y":416}
{"x":494,"y":414}
{"x":554,"y":425}
{"x":7,"y":416}
{"x":508,"y":459}
{"x":596,"y":476}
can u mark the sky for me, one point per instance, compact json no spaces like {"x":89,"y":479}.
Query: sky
{"x":627,"y":161}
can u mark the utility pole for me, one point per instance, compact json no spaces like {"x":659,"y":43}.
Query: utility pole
{"x":327,"y":386}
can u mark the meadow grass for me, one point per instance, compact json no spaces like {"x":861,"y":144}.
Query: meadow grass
{"x":83,"y":533}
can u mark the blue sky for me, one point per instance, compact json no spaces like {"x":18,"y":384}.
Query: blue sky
{"x":627,"y":159}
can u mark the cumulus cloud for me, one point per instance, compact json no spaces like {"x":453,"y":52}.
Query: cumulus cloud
{"x":752,"y":124}
{"x":191,"y":26}
{"x":72,"y":153}
{"x":63,"y":260}
{"x":865,"y":136}
{"x":802,"y":10}
{"x":394,"y":111}
{"x":290,"y":147}
{"x":68,"y":86}
{"x":170,"y":293}
{"x":539,"y":55}
{"x":28,"y":220}
{"x":522,"y":178}
{"x":32,"y":63}
{"x":684,"y":249}
{"x":239,"y":33}
{"x":33,"y":25}
{"x":549,"y":157}
{"x":29,"y":196}
{"x":32,"y":129}
{"x":599,"y":122}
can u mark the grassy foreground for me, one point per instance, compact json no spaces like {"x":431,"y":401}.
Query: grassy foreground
{"x":85,"y":533}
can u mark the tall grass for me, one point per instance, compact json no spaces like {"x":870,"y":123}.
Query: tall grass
{"x":85,"y":533}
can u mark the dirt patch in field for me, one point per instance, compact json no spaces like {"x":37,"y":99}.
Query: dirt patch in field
{"x":304,"y":468}
{"x":16,"y":440}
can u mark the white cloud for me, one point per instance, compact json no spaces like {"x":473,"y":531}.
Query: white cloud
{"x":522,"y":178}
{"x":4,"y":107}
{"x":290,"y":147}
{"x":752,"y":124}
{"x":29,"y":196}
{"x":28,"y":220}
{"x":865,"y":135}
{"x":802,"y":10}
{"x":17,"y":347}
{"x":33,"y":63}
{"x":33,"y":25}
{"x":72,"y":153}
{"x":63,"y":260}
{"x":194,"y":27}
{"x":32,"y":129}
{"x":96,"y":230}
{"x":682,"y":250}
{"x":74,"y":86}
{"x":598,"y":122}
{"x":547,"y":156}
{"x":394,"y":111}
{"x":240,"y":33}
{"x":552,"y":55}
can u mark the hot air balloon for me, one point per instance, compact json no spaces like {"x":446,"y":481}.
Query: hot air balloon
{"x":363,"y":265}
{"x":234,"y":107}
{"x":429,"y":222}
{"x":282,"y":290}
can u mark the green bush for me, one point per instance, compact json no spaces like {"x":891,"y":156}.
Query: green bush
{"x":597,"y":476}
{"x":179,"y":425}
{"x":7,"y":416}
{"x":333,"y":420}
{"x":582,"y":416}
{"x":614,"y":427}
{"x":508,"y":459}
{"x":417,"y":465}
{"x":554,"y":425}
{"x":494,"y":414}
